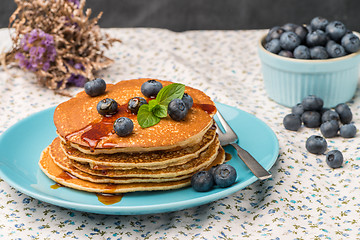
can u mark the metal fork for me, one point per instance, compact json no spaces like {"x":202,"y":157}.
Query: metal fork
{"x":229,"y":137}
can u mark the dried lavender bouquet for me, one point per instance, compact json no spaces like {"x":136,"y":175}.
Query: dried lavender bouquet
{"x":58,"y":42}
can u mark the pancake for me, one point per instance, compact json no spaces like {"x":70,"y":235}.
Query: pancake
{"x":65,"y":163}
{"x":205,"y":159}
{"x":87,"y":154}
{"x":151,"y":160}
{"x":78,"y":122}
{"x":62,"y":177}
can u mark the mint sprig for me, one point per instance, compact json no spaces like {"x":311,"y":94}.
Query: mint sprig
{"x":150,"y":114}
{"x":145,"y":117}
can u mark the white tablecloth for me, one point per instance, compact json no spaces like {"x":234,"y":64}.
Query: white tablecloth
{"x":305,"y":199}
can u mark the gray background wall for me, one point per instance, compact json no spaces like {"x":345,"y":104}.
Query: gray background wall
{"x":181,"y":15}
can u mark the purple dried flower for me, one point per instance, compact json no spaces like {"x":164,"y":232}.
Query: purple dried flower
{"x":21,"y":58}
{"x":79,"y":66}
{"x":46,"y":66}
{"x":76,"y":2}
{"x":78,"y":80}
{"x":38,"y":51}
{"x":48,"y":40}
{"x":33,"y":36}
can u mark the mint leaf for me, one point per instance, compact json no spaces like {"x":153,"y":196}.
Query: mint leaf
{"x":152,"y":103}
{"x":159,"y":111}
{"x":151,"y":113}
{"x":146,"y":118}
{"x":170,"y":92}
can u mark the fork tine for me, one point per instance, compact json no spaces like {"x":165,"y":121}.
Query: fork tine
{"x":224,"y":124}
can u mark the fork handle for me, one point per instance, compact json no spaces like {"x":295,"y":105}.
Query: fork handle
{"x":251,"y":163}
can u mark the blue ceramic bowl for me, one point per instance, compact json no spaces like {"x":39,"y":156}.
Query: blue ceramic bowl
{"x":288,"y":81}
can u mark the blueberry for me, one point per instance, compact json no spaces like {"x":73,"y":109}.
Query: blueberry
{"x":301,"y":31}
{"x":289,"y":27}
{"x":297,"y":109}
{"x":329,"y":43}
{"x":187,"y":99}
{"x":302,"y":52}
{"x":330,"y":115}
{"x":292,"y":122}
{"x":348,"y":130}
{"x":95,"y":87}
{"x":309,"y":28}
{"x":177,"y":109}
{"x":274,"y":33}
{"x":319,"y":23}
{"x":334,"y":159}
{"x":289,"y":41}
{"x":312,"y":103}
{"x":316,"y":144}
{"x":335,"y":30}
{"x":316,"y":38}
{"x":225,"y":175}
{"x":335,"y":50}
{"x":135,"y":103}
{"x":330,"y":128}
{"x":323,"y":110}
{"x":212,"y":169}
{"x":151,"y":88}
{"x":123,"y":126}
{"x":202,"y":181}
{"x":350,"y":42}
{"x":344,"y":112}
{"x":286,"y":53}
{"x":107,"y":106}
{"x":318,"y":52}
{"x":311,"y":119}
{"x":273,"y":46}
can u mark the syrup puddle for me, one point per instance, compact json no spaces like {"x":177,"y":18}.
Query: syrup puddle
{"x":104,"y":198}
{"x":55,"y":186}
{"x":109,"y":199}
{"x":228,"y":157}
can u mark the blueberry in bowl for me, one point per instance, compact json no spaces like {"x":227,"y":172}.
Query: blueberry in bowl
{"x":315,"y":58}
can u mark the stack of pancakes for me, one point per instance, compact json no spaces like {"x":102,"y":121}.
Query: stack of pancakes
{"x":87,"y":155}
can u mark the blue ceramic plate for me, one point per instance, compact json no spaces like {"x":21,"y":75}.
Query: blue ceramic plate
{"x":21,"y":145}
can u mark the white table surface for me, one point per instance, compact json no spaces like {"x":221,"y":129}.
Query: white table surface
{"x":305,"y":199}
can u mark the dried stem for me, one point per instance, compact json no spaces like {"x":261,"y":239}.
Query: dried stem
{"x":77,"y":38}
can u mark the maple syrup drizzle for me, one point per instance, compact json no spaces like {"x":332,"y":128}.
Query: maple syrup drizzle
{"x":208,"y":108}
{"x":108,"y":198}
{"x":66,"y":176}
{"x":104,"y":198}
{"x":95,"y":132}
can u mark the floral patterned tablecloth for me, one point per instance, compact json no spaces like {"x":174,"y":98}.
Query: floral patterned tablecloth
{"x":305,"y":199}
